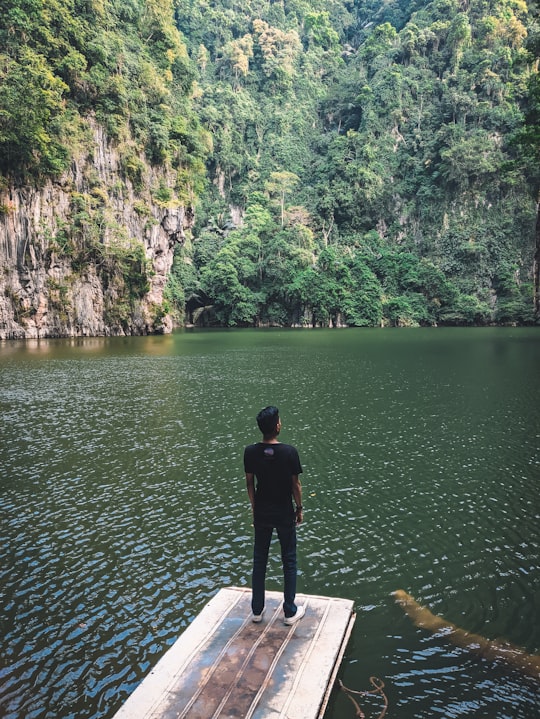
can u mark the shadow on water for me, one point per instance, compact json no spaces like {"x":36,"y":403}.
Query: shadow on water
{"x":124,"y":507}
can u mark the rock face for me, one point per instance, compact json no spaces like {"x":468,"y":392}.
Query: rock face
{"x":90,"y":254}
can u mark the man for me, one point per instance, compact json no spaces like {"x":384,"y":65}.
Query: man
{"x":276,"y":467}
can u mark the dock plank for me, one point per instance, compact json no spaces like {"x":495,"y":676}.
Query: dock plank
{"x":224,"y":666}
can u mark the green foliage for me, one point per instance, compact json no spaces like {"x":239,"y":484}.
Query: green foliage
{"x":124,"y":62}
{"x":467,"y":310}
{"x":163,"y":195}
{"x":31,"y":115}
{"x":182,"y":284}
{"x":357,"y":164}
{"x":319,"y":30}
{"x":398,"y":128}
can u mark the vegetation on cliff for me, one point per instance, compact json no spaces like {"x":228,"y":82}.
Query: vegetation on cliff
{"x":357,"y":163}
{"x":122,"y":62}
{"x":377,"y":154}
{"x":95,"y":102}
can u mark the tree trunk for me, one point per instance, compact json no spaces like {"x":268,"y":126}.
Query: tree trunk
{"x":536,"y":267}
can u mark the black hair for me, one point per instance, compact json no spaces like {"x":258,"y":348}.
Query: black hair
{"x":267,"y":420}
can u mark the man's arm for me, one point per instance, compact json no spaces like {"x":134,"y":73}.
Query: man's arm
{"x":297,"y":496}
{"x":250,"y":486}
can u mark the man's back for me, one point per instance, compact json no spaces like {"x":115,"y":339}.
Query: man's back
{"x":274,"y":465}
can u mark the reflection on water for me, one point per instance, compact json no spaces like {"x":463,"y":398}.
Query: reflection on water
{"x":124,"y":508}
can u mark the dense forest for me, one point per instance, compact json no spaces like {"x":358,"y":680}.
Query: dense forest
{"x":349,"y":162}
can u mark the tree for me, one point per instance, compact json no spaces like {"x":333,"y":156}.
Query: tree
{"x":31,"y":116}
{"x":238,"y":53}
{"x":235,"y":303}
{"x":282,"y":184}
{"x":364,"y":305}
{"x":279,"y":50}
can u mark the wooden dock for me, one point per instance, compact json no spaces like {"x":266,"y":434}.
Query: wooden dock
{"x":224,"y":666}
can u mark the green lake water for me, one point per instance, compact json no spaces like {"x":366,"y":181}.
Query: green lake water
{"x":123,"y":507}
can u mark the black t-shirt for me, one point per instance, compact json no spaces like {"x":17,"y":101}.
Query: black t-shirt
{"x":273,"y":466}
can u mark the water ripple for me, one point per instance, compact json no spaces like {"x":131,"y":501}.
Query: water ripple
{"x":124,"y":507}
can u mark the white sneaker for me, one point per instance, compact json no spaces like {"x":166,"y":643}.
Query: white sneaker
{"x":257,"y":617}
{"x":300,"y":611}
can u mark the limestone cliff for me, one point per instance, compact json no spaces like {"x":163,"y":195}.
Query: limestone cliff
{"x":89,"y":254}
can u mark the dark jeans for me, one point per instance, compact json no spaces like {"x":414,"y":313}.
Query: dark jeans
{"x":287,"y":539}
